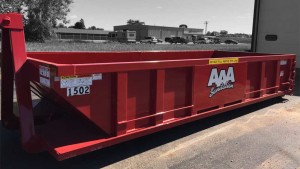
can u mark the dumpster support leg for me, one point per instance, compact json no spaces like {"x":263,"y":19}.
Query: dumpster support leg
{"x":14,"y":64}
{"x":9,"y":120}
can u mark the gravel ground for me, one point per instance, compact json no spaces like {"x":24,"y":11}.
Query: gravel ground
{"x":87,"y":46}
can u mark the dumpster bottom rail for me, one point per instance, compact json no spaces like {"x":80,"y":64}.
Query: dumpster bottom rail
{"x":72,"y":135}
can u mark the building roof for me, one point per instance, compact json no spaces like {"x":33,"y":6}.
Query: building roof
{"x":194,"y":29}
{"x":80,"y":31}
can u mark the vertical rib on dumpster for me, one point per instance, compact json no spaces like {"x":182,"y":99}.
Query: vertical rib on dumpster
{"x":159,"y":95}
{"x":121,"y":102}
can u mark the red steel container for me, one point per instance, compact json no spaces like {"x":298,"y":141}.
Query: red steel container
{"x":93,"y":100}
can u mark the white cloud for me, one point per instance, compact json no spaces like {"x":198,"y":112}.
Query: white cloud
{"x":159,"y":7}
{"x":73,"y":16}
{"x":246,"y":16}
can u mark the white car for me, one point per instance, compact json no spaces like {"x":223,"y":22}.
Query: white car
{"x":151,"y":40}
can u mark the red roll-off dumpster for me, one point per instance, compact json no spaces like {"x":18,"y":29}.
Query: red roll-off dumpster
{"x":88,"y":100}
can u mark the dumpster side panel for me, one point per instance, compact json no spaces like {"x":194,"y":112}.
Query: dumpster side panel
{"x":285,"y":67}
{"x":97,"y":105}
{"x":177,"y":93}
{"x":271,"y":75}
{"x":139,"y":98}
{"x":102,"y":102}
{"x":253,"y":80}
{"x":221,"y":85}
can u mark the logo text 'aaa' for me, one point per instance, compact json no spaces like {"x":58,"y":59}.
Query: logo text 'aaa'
{"x":222,"y":80}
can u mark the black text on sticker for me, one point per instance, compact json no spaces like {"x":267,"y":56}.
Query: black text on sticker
{"x":80,"y":90}
{"x":222,"y":80}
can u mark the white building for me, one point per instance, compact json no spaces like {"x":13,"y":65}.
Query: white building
{"x":277,"y":27}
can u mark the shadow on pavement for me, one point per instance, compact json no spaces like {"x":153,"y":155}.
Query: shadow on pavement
{"x":13,"y":156}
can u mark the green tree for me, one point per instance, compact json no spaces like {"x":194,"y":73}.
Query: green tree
{"x":183,"y":26}
{"x":215,"y":33}
{"x":95,"y":28}
{"x":135,"y":22}
{"x":223,"y":32}
{"x":61,"y":25}
{"x":39,"y":15}
{"x":92,"y":28}
{"x":79,"y":25}
{"x":10,"y":6}
{"x":42,"y":15}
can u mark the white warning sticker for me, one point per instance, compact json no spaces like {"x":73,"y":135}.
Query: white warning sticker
{"x":283,"y":62}
{"x":68,"y":82}
{"x":281,"y":73}
{"x":45,"y":81}
{"x":44,"y":71}
{"x":44,"y":75}
{"x":97,"y":76}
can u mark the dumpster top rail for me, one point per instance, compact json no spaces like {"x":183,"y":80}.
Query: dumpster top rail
{"x":76,"y":63}
{"x":133,"y":56}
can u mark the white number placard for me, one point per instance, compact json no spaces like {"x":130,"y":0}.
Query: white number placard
{"x":79,"y":90}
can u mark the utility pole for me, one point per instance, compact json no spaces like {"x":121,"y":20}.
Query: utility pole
{"x":206,"y":23}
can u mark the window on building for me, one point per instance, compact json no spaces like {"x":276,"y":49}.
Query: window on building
{"x":271,"y":37}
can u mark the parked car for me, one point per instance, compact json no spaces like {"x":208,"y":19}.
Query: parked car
{"x":230,"y":41}
{"x":200,"y":41}
{"x":122,"y":36}
{"x":159,"y":41}
{"x":217,"y":41}
{"x":206,"y":40}
{"x":151,"y":40}
{"x":168,"y":39}
{"x":179,"y":40}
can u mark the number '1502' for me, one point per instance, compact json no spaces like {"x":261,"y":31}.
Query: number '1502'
{"x":81,"y":90}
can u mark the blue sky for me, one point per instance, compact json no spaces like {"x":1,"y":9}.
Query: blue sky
{"x":234,"y":16}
